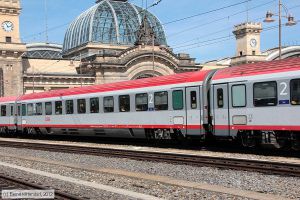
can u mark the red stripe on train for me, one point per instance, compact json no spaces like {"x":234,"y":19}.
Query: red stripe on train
{"x":258,"y":127}
{"x":110,"y":126}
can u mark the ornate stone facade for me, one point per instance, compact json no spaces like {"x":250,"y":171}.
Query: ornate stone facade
{"x":11,"y":49}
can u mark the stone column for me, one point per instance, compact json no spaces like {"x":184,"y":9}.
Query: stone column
{"x":99,"y":77}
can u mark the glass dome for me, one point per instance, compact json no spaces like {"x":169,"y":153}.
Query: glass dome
{"x":110,"y":22}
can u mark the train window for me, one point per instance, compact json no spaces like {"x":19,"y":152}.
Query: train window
{"x":81,"y":106}
{"x":220,"y":98}
{"x":108,"y":104}
{"x":265,"y":94}
{"x":295,"y":92}
{"x":58,"y":107}
{"x":23,"y":109}
{"x":11,"y":110}
{"x":94,"y":105}
{"x":141,"y":102}
{"x":69,"y":107}
{"x":38,"y":109}
{"x":30,"y":109}
{"x":238,"y":95}
{"x":193,"y":99}
{"x":177,"y":97}
{"x":124,"y":103}
{"x":161,"y":100}
{"x":19,"y":110}
{"x":3,"y":110}
{"x":48,"y":108}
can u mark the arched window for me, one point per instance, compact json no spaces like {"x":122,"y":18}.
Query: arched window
{"x":1,"y":83}
{"x":144,"y":76}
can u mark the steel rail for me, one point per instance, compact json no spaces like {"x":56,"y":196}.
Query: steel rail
{"x":13,"y":183}
{"x":266,"y":167}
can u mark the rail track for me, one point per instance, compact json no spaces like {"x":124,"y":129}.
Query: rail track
{"x":266,"y":167}
{"x":14,"y":183}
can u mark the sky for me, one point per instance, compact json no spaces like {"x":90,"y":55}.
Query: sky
{"x":206,"y":36}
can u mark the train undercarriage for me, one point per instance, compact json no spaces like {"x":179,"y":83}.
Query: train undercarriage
{"x":277,"y":139}
{"x":250,"y":139}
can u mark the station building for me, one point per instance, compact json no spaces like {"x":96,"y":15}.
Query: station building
{"x":113,"y":40}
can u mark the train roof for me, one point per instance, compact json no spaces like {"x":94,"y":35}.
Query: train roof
{"x":187,"y":77}
{"x":7,"y":99}
{"x":261,"y":68}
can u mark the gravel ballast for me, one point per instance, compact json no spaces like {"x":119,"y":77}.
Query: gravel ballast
{"x":287,"y":187}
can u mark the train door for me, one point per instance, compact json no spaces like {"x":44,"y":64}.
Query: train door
{"x":18,"y":117}
{"x":220,"y":104}
{"x":11,"y":114}
{"x":193,"y":117}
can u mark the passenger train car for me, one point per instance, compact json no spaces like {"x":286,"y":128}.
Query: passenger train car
{"x":255,"y":103}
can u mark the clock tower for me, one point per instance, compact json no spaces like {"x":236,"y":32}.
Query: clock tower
{"x":247,"y":43}
{"x":11,"y":49}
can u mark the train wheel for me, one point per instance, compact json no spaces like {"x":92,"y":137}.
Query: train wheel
{"x":283,"y":139}
{"x":1,"y":130}
{"x":248,"y":139}
{"x":296,"y":141}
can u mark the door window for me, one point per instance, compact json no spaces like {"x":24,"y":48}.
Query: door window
{"x":193,"y":99}
{"x":220,"y":98}
{"x":177,"y":97}
{"x":238,"y":95}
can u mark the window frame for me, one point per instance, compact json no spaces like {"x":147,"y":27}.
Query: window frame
{"x":56,"y":109}
{"x":218,"y":100}
{"x":245,"y":96}
{"x":32,"y":110}
{"x":141,"y":110}
{"x":276,"y":91}
{"x":47,"y":104}
{"x":24,"y":111}
{"x":97,"y":107}
{"x":36,"y":109}
{"x":297,"y":79}
{"x":113,"y":106}
{"x":182,"y":105}
{"x":1,"y":109}
{"x":67,"y":106}
{"x":125,"y":110}
{"x":78,"y":108}
{"x":192,"y":102}
{"x":155,"y":105}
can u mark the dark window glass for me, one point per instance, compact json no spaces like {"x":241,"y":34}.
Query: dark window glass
{"x":161,"y":100}
{"x":124,"y":103}
{"x":58,"y":107}
{"x":23,"y":109}
{"x":94,"y":105}
{"x":3,"y":110}
{"x":38,"y":109}
{"x":193,"y":99}
{"x":220,"y":98}
{"x":265,"y":94}
{"x":11,"y":110}
{"x":19,"y":110}
{"x":8,"y":39}
{"x":30,"y":109}
{"x":69,"y":107}
{"x":108,"y":104}
{"x":295,"y":92}
{"x":81,"y":106}
{"x":48,"y":108}
{"x":238,"y":95}
{"x":141,"y":102}
{"x":177,"y":97}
